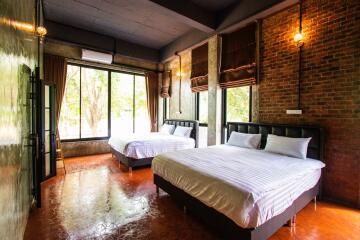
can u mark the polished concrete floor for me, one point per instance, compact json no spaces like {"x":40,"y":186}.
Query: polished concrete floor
{"x":98,"y":200}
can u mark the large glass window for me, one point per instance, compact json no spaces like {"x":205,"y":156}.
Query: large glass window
{"x":85,"y":109}
{"x":237,"y":104}
{"x":69,"y":124}
{"x":202,"y":116}
{"x":122,"y":103}
{"x":203,"y":107}
{"x":94,"y":103}
{"x":141,"y":113}
{"x":128,"y":104}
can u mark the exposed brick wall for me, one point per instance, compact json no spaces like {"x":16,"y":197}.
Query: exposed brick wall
{"x":330,"y":83}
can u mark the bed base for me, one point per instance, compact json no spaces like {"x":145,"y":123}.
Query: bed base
{"x":224,"y":226}
{"x":130,"y":163}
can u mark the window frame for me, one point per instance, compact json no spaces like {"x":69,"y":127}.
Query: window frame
{"x":224,"y":111}
{"x":166,"y":109}
{"x":197,"y":109}
{"x":109,"y":71}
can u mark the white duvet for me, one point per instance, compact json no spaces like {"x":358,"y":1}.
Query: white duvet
{"x":248,"y":186}
{"x":149,"y":145}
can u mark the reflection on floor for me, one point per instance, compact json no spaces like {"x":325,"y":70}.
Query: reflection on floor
{"x":99,"y":200}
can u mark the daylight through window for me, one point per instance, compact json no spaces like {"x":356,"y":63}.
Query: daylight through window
{"x":85,"y":111}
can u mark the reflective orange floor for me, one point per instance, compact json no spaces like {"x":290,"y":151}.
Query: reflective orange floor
{"x":98,"y":200}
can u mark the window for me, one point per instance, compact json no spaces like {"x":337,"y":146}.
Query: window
{"x":202,"y":116}
{"x":94,"y":103}
{"x":236,"y":102}
{"x":84,"y":112}
{"x":91,"y":107}
{"x":122,"y":103}
{"x":69,"y":123}
{"x":166,"y":108}
{"x":128,"y":104}
{"x":202,"y":99}
{"x":142,"y":120}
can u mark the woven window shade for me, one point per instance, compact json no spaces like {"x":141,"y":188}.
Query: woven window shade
{"x":166,"y":84}
{"x":199,"y":68}
{"x":238,"y":67}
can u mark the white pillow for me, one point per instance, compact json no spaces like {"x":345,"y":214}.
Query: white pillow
{"x":182,"y":131}
{"x":244,"y":140}
{"x":292,"y":147}
{"x":167,"y":129}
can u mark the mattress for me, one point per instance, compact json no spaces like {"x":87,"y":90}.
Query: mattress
{"x":149,"y":145}
{"x":248,"y":186}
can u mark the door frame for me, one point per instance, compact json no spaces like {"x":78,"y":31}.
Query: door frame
{"x":41,"y":129}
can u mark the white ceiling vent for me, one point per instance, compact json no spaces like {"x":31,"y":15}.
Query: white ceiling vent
{"x":93,"y":56}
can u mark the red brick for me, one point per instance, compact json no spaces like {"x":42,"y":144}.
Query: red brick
{"x":330,"y":83}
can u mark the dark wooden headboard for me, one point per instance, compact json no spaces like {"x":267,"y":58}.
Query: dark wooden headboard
{"x":187,"y":123}
{"x":316,"y":145}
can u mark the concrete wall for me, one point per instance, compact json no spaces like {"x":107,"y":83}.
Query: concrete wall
{"x":83,"y":148}
{"x":187,"y":97}
{"x":74,"y":52}
{"x":18,"y":54}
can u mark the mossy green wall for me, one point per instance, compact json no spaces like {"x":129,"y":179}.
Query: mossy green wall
{"x":18,"y":54}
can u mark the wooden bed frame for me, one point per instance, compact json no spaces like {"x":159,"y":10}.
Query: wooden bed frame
{"x":130,"y":163}
{"x":225,"y":226}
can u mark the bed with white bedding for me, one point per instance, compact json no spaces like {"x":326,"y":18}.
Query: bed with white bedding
{"x":249,"y":186}
{"x":258,"y":191}
{"x":139,"y":149}
{"x":149,"y":145}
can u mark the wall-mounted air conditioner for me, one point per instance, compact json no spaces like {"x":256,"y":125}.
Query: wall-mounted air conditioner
{"x":93,"y":56}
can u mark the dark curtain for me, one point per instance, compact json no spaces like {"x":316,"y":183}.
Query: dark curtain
{"x":238,"y":67}
{"x":55,"y":73}
{"x":199,"y":68}
{"x":152,"y":98}
{"x":166,"y":84}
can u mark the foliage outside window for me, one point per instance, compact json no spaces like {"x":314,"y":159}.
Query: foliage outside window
{"x":237,"y":104}
{"x":69,"y":123}
{"x":202,"y":116}
{"x":203,"y":107}
{"x":85,"y":109}
{"x":94,"y":103}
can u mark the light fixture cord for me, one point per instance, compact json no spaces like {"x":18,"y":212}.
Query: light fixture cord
{"x":180,"y":78}
{"x":300,"y":55}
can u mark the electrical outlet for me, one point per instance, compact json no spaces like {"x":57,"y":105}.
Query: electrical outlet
{"x":294,"y":111}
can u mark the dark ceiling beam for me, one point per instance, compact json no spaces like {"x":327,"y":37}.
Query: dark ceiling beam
{"x":190,"y":14}
{"x":185,"y":41}
{"x":248,"y":8}
{"x":98,"y":42}
{"x":234,"y":17}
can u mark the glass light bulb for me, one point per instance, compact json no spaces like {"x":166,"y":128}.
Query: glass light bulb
{"x":298,"y":37}
{"x":41,"y":31}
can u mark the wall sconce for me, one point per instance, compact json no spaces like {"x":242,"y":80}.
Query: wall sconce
{"x":179,"y":74}
{"x":41,"y":31}
{"x":298,"y":38}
